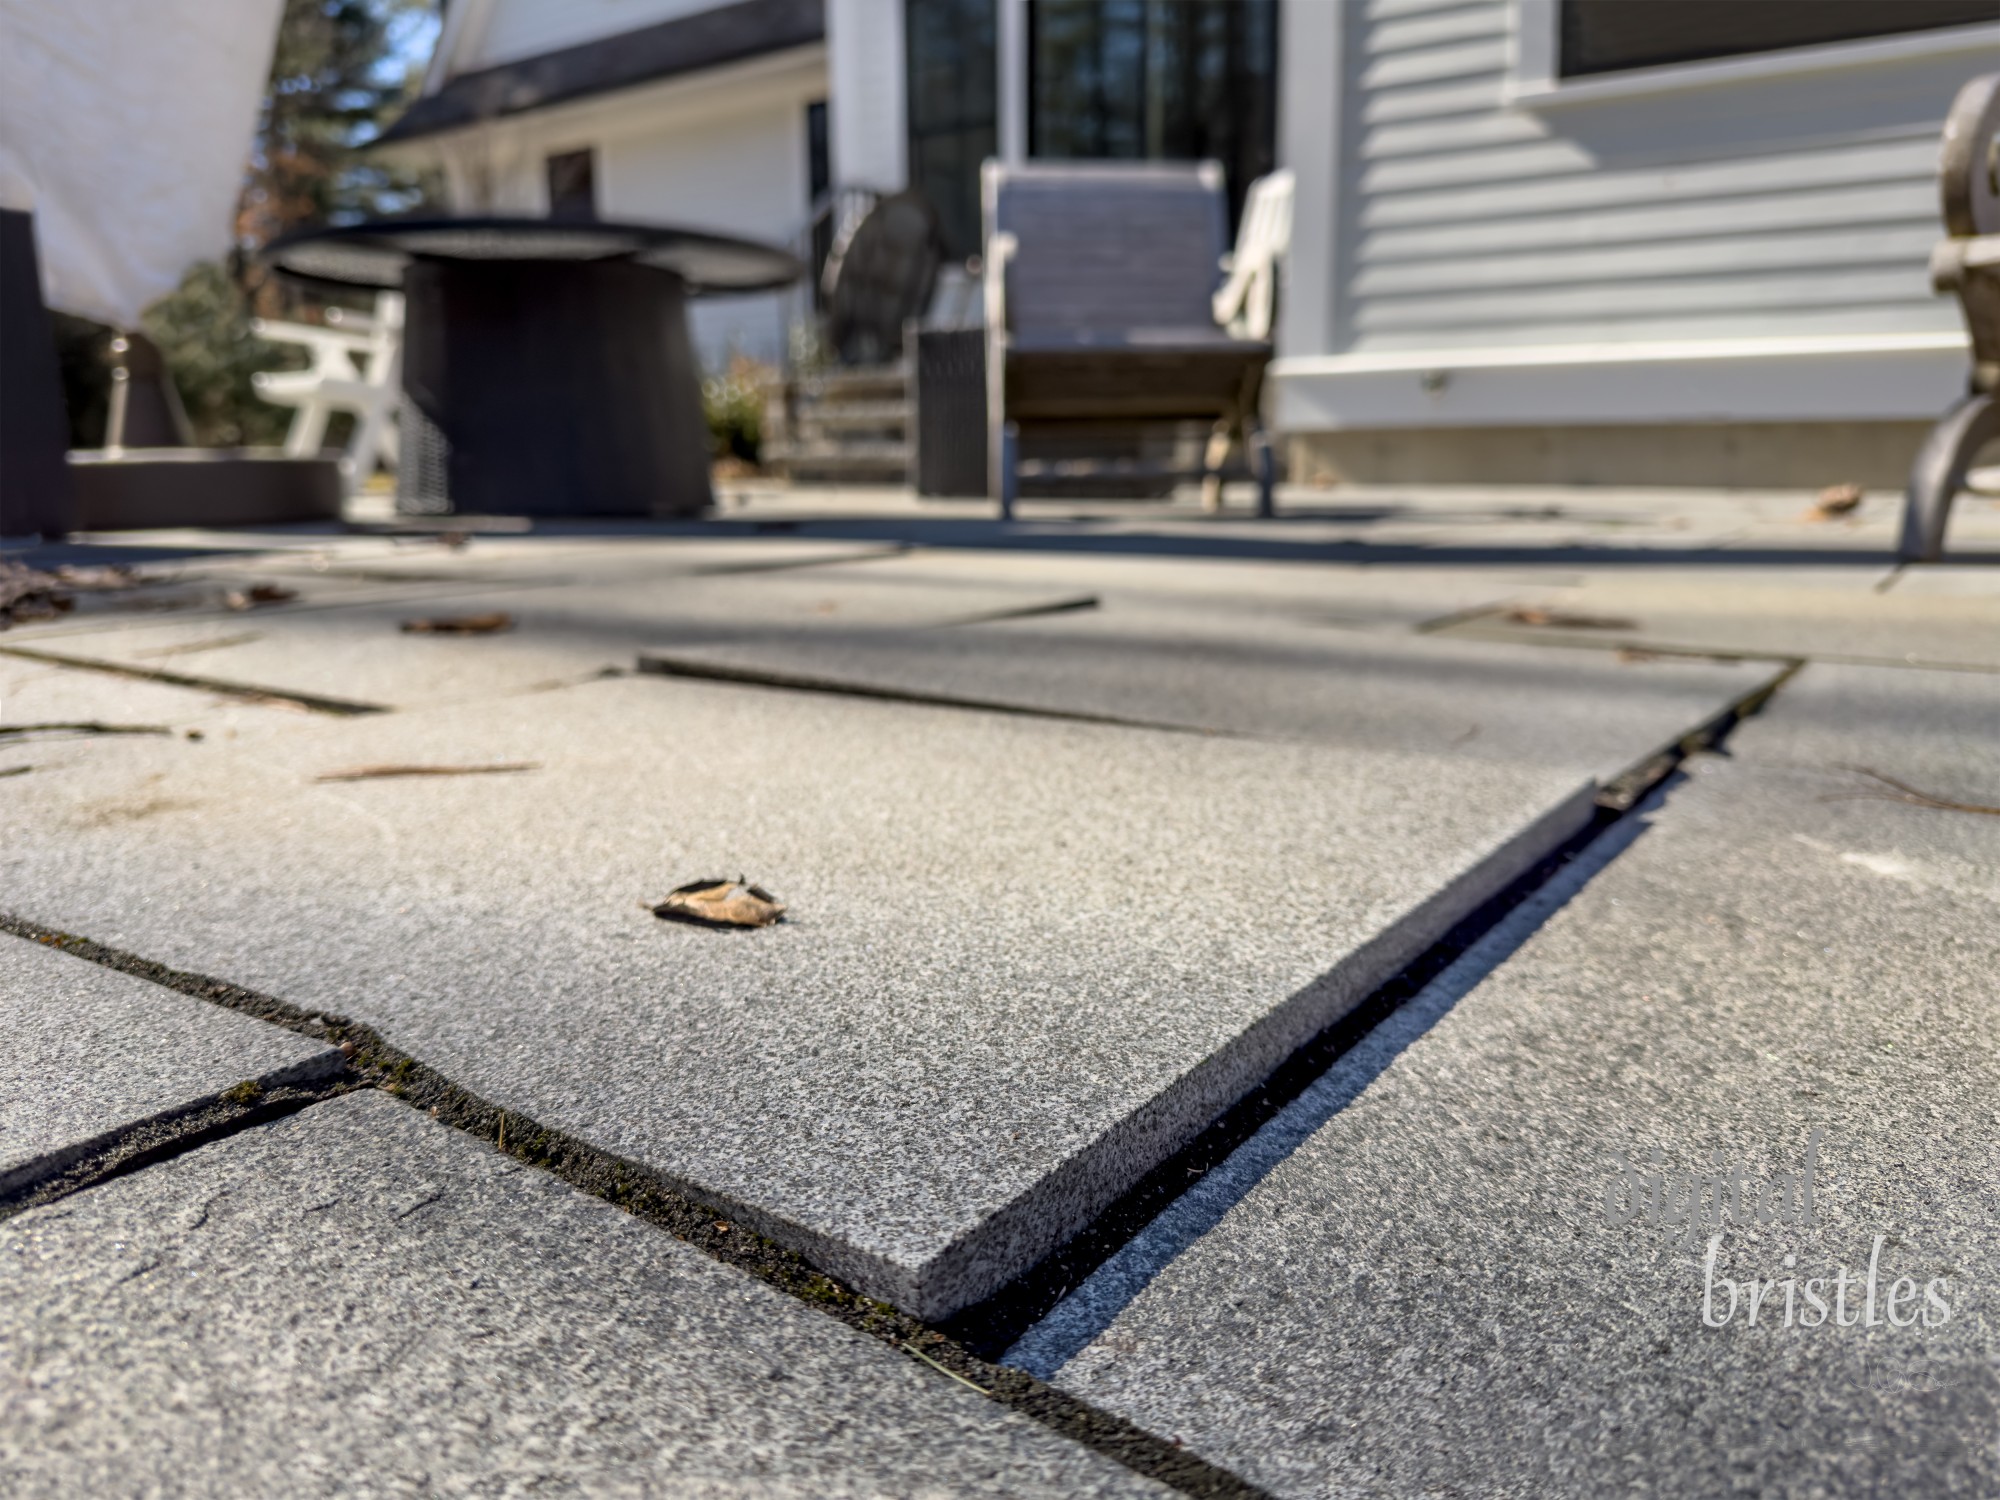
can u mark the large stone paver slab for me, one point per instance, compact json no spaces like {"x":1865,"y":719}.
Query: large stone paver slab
{"x":564,"y":628}
{"x":358,"y":1301}
{"x":1356,"y":594}
{"x":89,"y":1051}
{"x":1761,"y":618}
{"x":1271,"y":678}
{"x":1025,"y":960}
{"x":1412,"y":1284}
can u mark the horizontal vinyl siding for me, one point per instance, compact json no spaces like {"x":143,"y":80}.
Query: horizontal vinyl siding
{"x":1467,"y":223}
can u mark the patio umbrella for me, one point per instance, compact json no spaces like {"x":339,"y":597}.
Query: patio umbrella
{"x":124,"y":128}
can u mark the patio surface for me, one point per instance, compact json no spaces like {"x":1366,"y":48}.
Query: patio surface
{"x":1226,"y":965}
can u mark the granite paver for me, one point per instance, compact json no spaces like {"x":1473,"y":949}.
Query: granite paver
{"x":355,"y":1300}
{"x":89,"y":1051}
{"x":1270,"y":678}
{"x":565,"y":627}
{"x":1428,"y":1276}
{"x":1025,"y":960}
{"x":1761,"y":617}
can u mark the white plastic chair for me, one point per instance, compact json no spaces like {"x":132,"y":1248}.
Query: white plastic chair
{"x":1247,"y":300}
{"x":357,"y":366}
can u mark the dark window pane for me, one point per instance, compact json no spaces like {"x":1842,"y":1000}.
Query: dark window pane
{"x":573,"y":185}
{"x":1172,"y":80}
{"x":1601,"y":36}
{"x":949,"y":47}
{"x":819,"y":160}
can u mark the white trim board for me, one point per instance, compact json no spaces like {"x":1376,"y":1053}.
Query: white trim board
{"x":1886,"y":377}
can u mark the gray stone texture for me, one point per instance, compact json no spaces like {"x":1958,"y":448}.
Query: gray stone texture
{"x":357,"y":1301}
{"x":565,"y":628}
{"x":1410,"y":1284}
{"x":1024,"y":959}
{"x":1763,"y":617}
{"x":1274,"y":679}
{"x":89,"y":1051}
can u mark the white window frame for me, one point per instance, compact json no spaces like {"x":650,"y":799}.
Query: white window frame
{"x":1533,"y":82}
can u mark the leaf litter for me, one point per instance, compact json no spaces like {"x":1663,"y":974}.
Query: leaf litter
{"x":1557,"y":620}
{"x":487,"y":624}
{"x":1892,"y":790}
{"x":258,"y":595}
{"x":720,"y":903}
{"x":389,"y":772}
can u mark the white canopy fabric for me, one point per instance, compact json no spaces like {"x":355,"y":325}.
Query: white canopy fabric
{"x":126,"y":126}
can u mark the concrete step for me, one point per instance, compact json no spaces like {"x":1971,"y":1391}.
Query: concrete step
{"x":854,"y":457}
{"x":852,"y":414}
{"x":888,"y":381}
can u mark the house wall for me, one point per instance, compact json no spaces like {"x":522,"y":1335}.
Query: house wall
{"x":1480,"y":247}
{"x":513,"y":29}
{"x":865,"y":67}
{"x":725,"y":151}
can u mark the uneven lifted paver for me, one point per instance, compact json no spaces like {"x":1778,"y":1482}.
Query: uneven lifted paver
{"x":355,"y":1300}
{"x":1766,"y":617}
{"x":1024,"y":960}
{"x":1429,"y":1276}
{"x":563,"y":627}
{"x":89,"y":1053}
{"x":1269,"y":678}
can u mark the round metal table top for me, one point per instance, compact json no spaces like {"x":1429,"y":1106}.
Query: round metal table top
{"x":377,"y":253}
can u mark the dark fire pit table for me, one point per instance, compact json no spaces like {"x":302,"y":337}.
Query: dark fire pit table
{"x":546,"y":364}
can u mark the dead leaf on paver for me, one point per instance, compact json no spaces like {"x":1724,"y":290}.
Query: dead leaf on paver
{"x":1892,"y":790}
{"x":385,"y":773}
{"x":1557,"y":620}
{"x":720,"y":903}
{"x":258,"y":594}
{"x":1834,"y":501}
{"x":488,"y":624}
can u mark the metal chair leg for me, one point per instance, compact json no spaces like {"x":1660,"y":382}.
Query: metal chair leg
{"x":1939,"y":474}
{"x":1213,"y":457}
{"x":1264,"y":465}
{"x":1010,"y":472}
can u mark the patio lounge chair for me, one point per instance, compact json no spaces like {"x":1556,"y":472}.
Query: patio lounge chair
{"x":357,"y":367}
{"x":1968,"y":263}
{"x":1100,"y":317}
{"x":1247,"y":303}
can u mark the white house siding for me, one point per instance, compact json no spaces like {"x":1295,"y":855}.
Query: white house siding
{"x":735,"y":166}
{"x":508,"y":30}
{"x":1597,"y":260}
{"x":723,"y":150}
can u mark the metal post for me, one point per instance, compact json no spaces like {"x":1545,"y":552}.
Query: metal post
{"x":1010,"y":481}
{"x":1012,"y":38}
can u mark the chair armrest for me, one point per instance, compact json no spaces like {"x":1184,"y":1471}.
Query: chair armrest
{"x":311,"y":335}
{"x":1954,"y":259}
{"x":999,"y":251}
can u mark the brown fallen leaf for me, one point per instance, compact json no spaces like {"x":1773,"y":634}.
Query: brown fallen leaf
{"x":1902,"y":791}
{"x":489,"y":624}
{"x":1557,"y":620}
{"x":385,"y":773}
{"x":720,"y":903}
{"x":258,"y":593}
{"x":1834,"y":500}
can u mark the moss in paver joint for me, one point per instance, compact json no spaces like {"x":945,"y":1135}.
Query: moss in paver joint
{"x":245,"y":1092}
